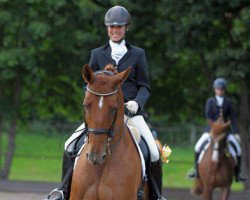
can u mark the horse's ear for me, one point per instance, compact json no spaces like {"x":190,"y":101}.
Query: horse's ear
{"x":87,"y":74}
{"x":121,"y":77}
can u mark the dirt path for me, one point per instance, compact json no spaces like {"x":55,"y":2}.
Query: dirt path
{"x":13,"y":190}
{"x":171,"y":195}
{"x":21,"y":196}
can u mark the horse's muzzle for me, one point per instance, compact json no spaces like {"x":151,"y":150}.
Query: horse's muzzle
{"x":95,"y":159}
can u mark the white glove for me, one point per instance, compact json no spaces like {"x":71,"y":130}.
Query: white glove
{"x":237,"y":137}
{"x":132,"y":106}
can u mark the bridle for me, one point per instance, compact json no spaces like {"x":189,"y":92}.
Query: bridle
{"x":100,"y":131}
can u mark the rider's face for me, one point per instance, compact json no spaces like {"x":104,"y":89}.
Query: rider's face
{"x":219,"y":92}
{"x":116,"y":33}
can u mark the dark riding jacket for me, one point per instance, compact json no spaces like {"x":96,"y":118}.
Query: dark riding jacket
{"x":136,"y":87}
{"x":212,"y":112}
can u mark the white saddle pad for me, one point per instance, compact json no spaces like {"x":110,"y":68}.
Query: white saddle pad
{"x":231,"y":150}
{"x":139,"y":149}
{"x":137,"y":139}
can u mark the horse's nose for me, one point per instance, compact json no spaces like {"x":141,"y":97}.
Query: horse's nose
{"x":95,"y":159}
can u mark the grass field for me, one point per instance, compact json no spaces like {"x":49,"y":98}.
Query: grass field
{"x":38,"y":158}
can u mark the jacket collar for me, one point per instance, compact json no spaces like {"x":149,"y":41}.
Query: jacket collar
{"x":108,"y":46}
{"x":223,"y":103}
{"x":107,"y":53}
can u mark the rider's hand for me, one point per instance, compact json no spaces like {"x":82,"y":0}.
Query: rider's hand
{"x":132,"y":106}
{"x":237,"y":137}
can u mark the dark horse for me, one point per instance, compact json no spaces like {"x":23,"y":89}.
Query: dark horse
{"x":216,"y":169}
{"x":109,"y":166}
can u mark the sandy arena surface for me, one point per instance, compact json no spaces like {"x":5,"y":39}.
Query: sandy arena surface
{"x":15,"y":190}
{"x":21,"y":196}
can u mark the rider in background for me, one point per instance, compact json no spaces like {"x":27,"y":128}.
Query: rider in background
{"x":136,"y":89}
{"x":212,"y":112}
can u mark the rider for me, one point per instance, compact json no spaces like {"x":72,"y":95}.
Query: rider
{"x":136,"y":88}
{"x":212,"y":112}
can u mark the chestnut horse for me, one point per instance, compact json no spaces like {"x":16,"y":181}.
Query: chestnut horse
{"x":216,"y":169}
{"x":109,"y":166}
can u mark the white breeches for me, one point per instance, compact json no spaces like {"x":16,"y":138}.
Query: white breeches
{"x":139,"y":122}
{"x":231,"y":138}
{"x":206,"y":137}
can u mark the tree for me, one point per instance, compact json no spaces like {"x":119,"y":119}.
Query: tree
{"x":43,"y":47}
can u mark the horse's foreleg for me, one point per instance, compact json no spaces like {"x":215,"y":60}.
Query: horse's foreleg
{"x":225,"y":193}
{"x":207,"y":193}
{"x":197,"y":187}
{"x":146,"y":192}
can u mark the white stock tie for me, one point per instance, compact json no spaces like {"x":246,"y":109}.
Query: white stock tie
{"x":118,"y":50}
{"x":220,"y":100}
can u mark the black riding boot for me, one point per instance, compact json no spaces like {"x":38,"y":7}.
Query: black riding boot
{"x":156,"y":181}
{"x":68,"y":163}
{"x":63,"y":191}
{"x":238,"y":176}
{"x":194,"y":173}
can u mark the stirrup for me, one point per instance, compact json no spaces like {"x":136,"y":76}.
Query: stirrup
{"x":59,"y":197}
{"x":240,"y":178}
{"x":192,"y":173}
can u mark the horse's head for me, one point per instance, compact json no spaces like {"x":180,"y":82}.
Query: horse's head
{"x":219,"y":127}
{"x":104,"y":110}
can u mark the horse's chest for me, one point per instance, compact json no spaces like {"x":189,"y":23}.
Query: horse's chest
{"x":104,"y":192}
{"x":109,"y":185}
{"x":115,"y":180}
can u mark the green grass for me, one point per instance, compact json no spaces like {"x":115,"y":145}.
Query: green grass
{"x":38,"y":157}
{"x":36,"y":169}
{"x":175,"y":171}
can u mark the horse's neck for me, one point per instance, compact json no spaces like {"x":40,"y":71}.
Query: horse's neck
{"x":120,"y":126}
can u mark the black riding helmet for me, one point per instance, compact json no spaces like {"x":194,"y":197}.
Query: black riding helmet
{"x":220,"y":83}
{"x":117,"y":16}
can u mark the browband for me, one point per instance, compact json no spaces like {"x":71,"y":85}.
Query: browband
{"x":105,"y":72}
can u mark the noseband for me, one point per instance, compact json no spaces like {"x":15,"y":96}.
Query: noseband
{"x":100,"y":131}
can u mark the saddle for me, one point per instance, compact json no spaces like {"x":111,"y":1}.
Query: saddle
{"x":136,"y":135}
{"x":231,"y":150}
